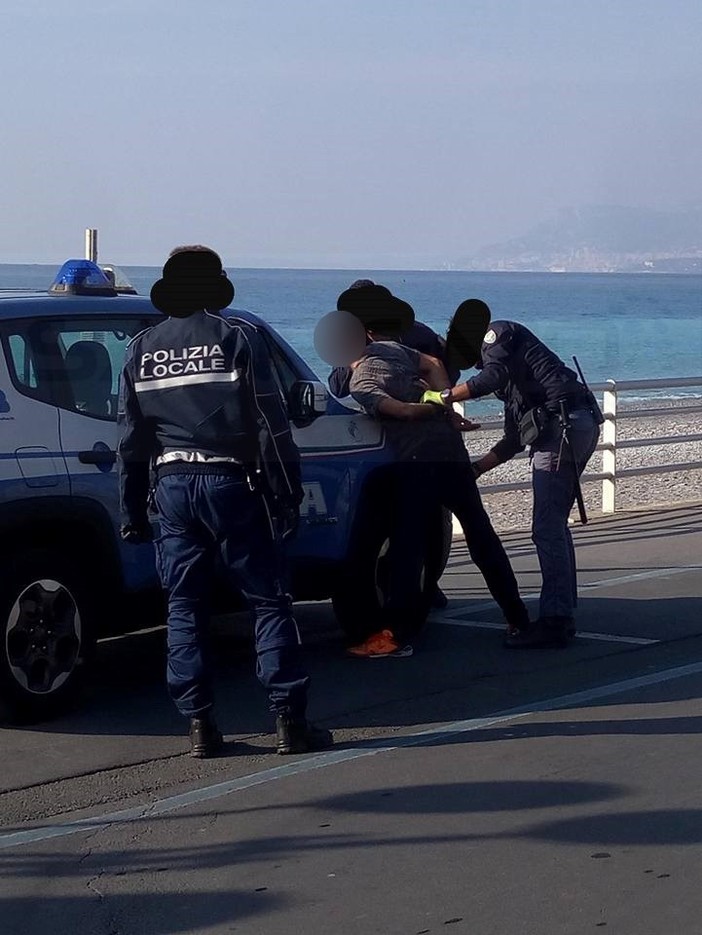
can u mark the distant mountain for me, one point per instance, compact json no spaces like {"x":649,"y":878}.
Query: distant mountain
{"x":603,"y":238}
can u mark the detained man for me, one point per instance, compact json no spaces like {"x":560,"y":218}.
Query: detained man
{"x":417,"y":335}
{"x":432,"y":466}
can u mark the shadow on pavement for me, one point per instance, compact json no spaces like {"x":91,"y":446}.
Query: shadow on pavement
{"x":162,"y":912}
{"x":646,"y":827}
{"x":128,"y":694}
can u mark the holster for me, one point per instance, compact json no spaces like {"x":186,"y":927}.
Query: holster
{"x":532,"y":425}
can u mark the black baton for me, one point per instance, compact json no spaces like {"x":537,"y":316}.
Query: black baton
{"x":565,"y":425}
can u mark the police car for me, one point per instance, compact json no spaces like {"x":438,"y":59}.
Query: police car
{"x":66,"y":578}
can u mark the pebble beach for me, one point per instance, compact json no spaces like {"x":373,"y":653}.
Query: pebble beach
{"x":512,"y":509}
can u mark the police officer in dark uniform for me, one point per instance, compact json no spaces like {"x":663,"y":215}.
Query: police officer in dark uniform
{"x":199,"y":408}
{"x":542,"y":397}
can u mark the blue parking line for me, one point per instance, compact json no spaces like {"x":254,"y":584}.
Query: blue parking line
{"x":334,"y":757}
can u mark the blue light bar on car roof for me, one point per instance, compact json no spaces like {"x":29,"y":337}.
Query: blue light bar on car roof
{"x":81,"y":277}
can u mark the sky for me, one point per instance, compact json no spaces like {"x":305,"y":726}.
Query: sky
{"x":337,"y":133}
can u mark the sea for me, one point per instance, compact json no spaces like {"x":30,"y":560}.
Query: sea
{"x":620,"y":326}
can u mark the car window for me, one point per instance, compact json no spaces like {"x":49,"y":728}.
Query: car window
{"x":283,"y":369}
{"x":30,"y":354}
{"x":93,"y":355}
{"x":93,"y":361}
{"x":73,"y":364}
{"x":21,"y":358}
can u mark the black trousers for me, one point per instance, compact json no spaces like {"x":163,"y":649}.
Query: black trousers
{"x":418,"y":488}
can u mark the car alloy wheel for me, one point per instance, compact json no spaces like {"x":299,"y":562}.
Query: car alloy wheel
{"x":43,"y":636}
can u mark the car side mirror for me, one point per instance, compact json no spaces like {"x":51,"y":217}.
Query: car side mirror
{"x":307,"y":400}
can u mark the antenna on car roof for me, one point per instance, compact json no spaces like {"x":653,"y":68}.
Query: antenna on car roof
{"x":91,"y":244}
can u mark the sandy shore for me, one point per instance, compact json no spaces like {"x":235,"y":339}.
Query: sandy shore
{"x":512,"y":509}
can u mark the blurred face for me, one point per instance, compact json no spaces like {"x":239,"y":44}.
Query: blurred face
{"x":339,"y":338}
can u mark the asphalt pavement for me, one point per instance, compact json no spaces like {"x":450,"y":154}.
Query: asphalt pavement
{"x":472,"y":789}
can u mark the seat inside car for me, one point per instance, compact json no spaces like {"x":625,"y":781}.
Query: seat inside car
{"x":90,"y":372}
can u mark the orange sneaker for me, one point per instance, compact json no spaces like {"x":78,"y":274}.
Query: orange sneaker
{"x":380,"y":646}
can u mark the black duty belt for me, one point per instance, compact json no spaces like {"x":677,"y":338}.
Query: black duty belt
{"x":211,"y":468}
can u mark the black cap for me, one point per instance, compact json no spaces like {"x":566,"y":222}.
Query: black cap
{"x":376,"y":307}
{"x":192,"y":280}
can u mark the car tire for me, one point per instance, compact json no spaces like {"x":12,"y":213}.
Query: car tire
{"x":48,"y":605}
{"x":361,"y":591}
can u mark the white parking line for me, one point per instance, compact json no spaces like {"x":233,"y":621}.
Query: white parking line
{"x":459,"y":616}
{"x":485,"y":625}
{"x":334,"y":757}
{"x":638,"y":576}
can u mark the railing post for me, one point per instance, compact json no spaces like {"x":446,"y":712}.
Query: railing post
{"x":609,"y":455}
{"x":457,"y":529}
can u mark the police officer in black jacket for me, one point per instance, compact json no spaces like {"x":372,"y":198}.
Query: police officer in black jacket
{"x":539,"y":390}
{"x":200,"y":409}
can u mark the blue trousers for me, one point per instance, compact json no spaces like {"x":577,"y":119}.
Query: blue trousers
{"x":554,"y":495}
{"x":202,"y":516}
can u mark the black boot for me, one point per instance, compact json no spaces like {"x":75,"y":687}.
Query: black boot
{"x":439,"y":601}
{"x":299,"y":736}
{"x":545,"y":632}
{"x":205,"y":738}
{"x":518,"y":622}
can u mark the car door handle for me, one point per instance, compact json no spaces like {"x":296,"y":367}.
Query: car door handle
{"x":98,"y":456}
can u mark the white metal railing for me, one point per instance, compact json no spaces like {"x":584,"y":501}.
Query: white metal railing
{"x":610,"y":445}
